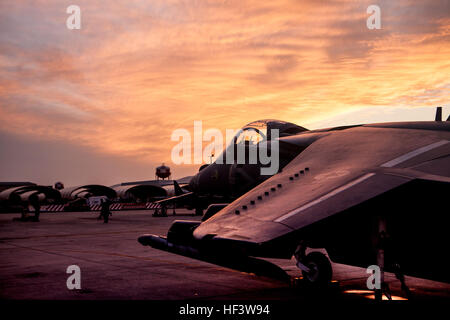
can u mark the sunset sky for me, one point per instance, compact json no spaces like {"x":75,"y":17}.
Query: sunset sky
{"x":99,"y":104}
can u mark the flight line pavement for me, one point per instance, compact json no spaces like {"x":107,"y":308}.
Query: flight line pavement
{"x":34,"y":257}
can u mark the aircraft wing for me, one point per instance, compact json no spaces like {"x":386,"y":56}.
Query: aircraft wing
{"x":178,"y":198}
{"x":336,"y":172}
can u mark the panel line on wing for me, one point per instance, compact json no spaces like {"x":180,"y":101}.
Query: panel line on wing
{"x":414,"y":153}
{"x":325,"y":197}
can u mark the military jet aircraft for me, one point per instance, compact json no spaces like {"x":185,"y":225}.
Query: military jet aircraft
{"x":371,"y":194}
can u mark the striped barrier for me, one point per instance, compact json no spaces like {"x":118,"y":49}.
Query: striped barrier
{"x":127,"y":206}
{"x":115,"y":206}
{"x":50,"y":208}
{"x":133,"y":206}
{"x":98,"y":207}
{"x":152,"y":205}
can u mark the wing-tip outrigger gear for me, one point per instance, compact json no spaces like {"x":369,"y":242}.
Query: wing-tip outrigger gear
{"x":383,"y":244}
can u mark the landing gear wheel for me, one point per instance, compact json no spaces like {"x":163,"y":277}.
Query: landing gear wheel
{"x":160,"y":212}
{"x":320,"y":269}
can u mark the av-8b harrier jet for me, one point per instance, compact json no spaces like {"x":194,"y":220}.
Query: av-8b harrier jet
{"x":372,"y":194}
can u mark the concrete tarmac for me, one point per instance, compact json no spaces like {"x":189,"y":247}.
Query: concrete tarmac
{"x":34,"y":257}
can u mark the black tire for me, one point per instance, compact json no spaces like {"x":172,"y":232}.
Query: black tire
{"x":321,"y":271}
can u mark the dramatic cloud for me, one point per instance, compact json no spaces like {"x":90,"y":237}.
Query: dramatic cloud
{"x":137,"y":70}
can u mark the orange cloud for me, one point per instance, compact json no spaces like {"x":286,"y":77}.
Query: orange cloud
{"x":138,"y":70}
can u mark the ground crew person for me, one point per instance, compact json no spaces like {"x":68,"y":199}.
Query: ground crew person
{"x":105,"y":210}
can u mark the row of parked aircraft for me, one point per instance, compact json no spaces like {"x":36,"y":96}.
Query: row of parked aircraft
{"x":16,"y":194}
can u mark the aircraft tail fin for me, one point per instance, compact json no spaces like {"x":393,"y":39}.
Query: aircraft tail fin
{"x":438,"y":114}
{"x":178,"y":190}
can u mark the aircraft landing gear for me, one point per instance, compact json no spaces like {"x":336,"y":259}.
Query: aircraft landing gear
{"x":316,"y":268}
{"x":160,"y":212}
{"x":383,"y":244}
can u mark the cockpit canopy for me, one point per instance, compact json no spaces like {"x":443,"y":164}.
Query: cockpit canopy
{"x":251,"y":136}
{"x":257,"y":131}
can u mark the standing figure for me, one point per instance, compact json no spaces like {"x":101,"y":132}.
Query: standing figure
{"x":105,"y":210}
